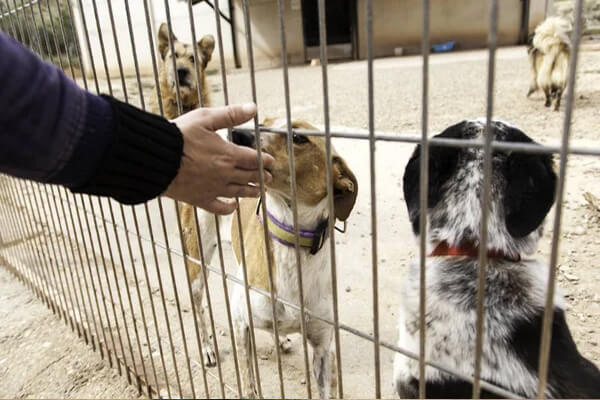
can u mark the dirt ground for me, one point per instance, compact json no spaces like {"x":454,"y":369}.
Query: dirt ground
{"x":457,"y":91}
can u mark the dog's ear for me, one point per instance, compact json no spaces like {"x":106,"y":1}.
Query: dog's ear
{"x":345,"y":188}
{"x":206,"y":46}
{"x":163,"y":39}
{"x":442,"y":164}
{"x":530,"y":190}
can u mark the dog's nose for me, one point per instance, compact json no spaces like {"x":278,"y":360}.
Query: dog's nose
{"x":242,"y":138}
{"x":182,"y":74}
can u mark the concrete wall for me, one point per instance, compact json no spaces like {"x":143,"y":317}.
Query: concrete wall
{"x":399,"y":23}
{"x":266,"y":36}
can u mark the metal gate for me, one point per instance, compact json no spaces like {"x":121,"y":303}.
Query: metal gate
{"x":115,"y":275}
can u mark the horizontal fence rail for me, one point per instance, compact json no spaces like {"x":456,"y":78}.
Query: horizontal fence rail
{"x":117,"y":275}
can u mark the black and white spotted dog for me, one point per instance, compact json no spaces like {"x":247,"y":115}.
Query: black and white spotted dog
{"x":522,"y":193}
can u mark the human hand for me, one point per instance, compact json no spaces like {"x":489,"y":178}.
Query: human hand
{"x":212,"y":167}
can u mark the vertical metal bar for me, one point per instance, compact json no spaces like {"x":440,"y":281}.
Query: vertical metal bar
{"x":127,"y":292}
{"x":152,"y":307}
{"x":180,"y":111}
{"x":64,"y":38}
{"x":128,"y":336}
{"x":292,"y":168}
{"x":177,"y":302}
{"x":43,"y":256}
{"x":193,"y":308}
{"x":109,"y":287}
{"x":236,"y":54}
{"x":137,"y":230}
{"x":159,"y":101}
{"x":76,"y":268}
{"x":199,"y":87}
{"x":9,"y":24}
{"x":66,"y":264}
{"x":55,"y":39}
{"x":123,"y":270}
{"x":102,"y":49}
{"x":46,"y":40}
{"x":82,"y":263}
{"x":423,"y":195}
{"x":35,"y":37}
{"x":263,"y":196}
{"x":68,"y":301}
{"x":28,"y":231}
{"x":94,"y":291}
{"x":372,"y":147}
{"x":21,"y":31}
{"x":564,"y":153}
{"x":323,"y":55}
{"x":16,"y":232}
{"x":229,"y":320}
{"x":485,"y":200}
{"x":209,"y":305}
{"x":241,"y":235}
{"x":117,"y":49}
{"x":89,"y":47}
{"x":100,"y":285}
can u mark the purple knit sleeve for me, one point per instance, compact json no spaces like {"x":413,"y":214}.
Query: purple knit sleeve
{"x":51,"y":130}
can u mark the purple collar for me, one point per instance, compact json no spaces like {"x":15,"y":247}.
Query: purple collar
{"x":285,"y":234}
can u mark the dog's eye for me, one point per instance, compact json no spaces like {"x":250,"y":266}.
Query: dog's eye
{"x":192,"y":58}
{"x":299,"y":139}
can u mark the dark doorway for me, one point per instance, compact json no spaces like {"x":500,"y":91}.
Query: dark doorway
{"x":339,"y":18}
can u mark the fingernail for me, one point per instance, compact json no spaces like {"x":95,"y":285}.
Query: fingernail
{"x":268,"y":177}
{"x":249,"y":108}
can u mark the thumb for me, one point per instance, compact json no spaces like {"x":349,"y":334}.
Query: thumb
{"x":228,"y":117}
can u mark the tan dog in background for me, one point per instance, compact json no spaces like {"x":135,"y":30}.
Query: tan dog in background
{"x":549,"y":52}
{"x":185,"y":73}
{"x":313,"y":218}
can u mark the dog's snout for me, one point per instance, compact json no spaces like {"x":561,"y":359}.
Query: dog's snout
{"x":243,"y":138}
{"x":182,"y":74}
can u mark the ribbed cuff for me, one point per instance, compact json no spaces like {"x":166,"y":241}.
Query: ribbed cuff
{"x":142,"y":159}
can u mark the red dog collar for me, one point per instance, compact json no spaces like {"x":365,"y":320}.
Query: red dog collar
{"x":469,"y":250}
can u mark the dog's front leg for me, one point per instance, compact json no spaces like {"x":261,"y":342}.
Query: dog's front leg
{"x":210,"y":358}
{"x":242,"y":332}
{"x":320,"y":337}
{"x":195,"y":270}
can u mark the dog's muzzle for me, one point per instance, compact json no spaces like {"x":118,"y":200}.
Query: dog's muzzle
{"x":243,"y":138}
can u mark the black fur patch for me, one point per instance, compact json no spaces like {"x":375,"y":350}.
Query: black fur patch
{"x":570,"y":375}
{"x":442,"y":165}
{"x":448,"y":388}
{"x":530,"y":187}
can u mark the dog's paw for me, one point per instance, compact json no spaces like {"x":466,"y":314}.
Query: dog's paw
{"x":285,"y":344}
{"x":250,"y":393}
{"x":210,"y":358}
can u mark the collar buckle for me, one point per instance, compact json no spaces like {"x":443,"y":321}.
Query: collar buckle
{"x":320,"y":235}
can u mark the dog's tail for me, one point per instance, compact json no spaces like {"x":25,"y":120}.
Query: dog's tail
{"x":560,"y":70}
{"x":552,"y":39}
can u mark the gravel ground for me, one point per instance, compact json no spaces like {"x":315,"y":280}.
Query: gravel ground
{"x":457,"y":91}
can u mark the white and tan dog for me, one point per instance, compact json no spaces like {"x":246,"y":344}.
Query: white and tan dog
{"x":549,"y":52}
{"x":313,"y":216}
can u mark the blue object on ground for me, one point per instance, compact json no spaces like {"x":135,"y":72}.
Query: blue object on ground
{"x":443,"y":47}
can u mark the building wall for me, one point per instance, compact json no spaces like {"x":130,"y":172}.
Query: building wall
{"x":266,"y":34}
{"x":399,"y":23}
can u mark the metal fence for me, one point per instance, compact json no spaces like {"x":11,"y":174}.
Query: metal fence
{"x":114,"y":274}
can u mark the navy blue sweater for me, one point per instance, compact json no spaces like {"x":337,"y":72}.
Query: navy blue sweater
{"x":53,"y":131}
